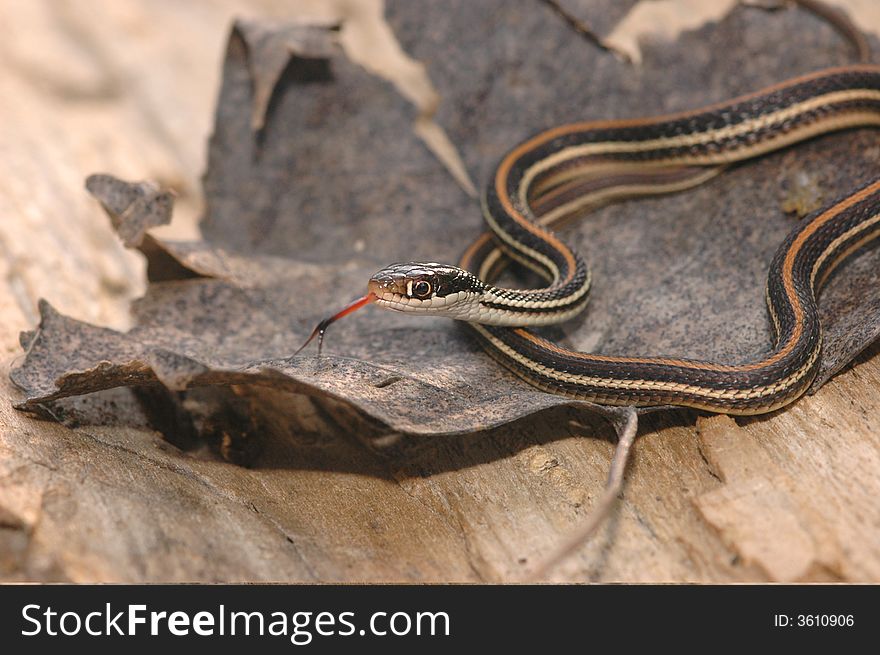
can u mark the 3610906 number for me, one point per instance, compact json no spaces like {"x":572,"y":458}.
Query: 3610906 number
{"x":824,"y":620}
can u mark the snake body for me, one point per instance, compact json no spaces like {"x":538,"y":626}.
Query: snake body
{"x":567,"y":170}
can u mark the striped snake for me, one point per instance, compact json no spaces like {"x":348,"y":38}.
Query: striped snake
{"x":567,"y":170}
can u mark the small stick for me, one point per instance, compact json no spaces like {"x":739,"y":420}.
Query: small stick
{"x":606,"y":501}
{"x":582,"y":28}
{"x":840,"y":21}
{"x":321,"y":327}
{"x":836,"y":17}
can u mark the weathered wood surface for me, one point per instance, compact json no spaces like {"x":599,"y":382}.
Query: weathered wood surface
{"x":789,"y":497}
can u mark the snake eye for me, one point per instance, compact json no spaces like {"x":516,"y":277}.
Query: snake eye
{"x":421,"y":289}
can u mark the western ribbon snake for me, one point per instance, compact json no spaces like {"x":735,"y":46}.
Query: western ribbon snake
{"x":567,"y":170}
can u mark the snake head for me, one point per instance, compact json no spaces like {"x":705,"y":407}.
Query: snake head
{"x":427,"y":289}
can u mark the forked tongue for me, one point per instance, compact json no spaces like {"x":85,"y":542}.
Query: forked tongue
{"x":321,"y":328}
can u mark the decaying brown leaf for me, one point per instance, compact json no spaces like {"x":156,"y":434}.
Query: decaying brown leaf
{"x":334,"y":185}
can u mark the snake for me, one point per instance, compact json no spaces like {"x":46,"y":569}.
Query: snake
{"x":566,"y":171}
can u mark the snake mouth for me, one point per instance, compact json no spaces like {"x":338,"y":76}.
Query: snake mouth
{"x":402,"y":303}
{"x":390,"y":293}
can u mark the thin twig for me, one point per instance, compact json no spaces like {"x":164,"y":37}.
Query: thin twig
{"x":582,"y":28}
{"x":627,"y":436}
{"x":840,"y":21}
{"x":835,"y":16}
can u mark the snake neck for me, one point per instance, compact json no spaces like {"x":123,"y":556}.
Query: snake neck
{"x":567,"y":274}
{"x":524,"y":308}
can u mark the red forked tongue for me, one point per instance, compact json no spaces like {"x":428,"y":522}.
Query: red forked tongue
{"x":321,"y":328}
